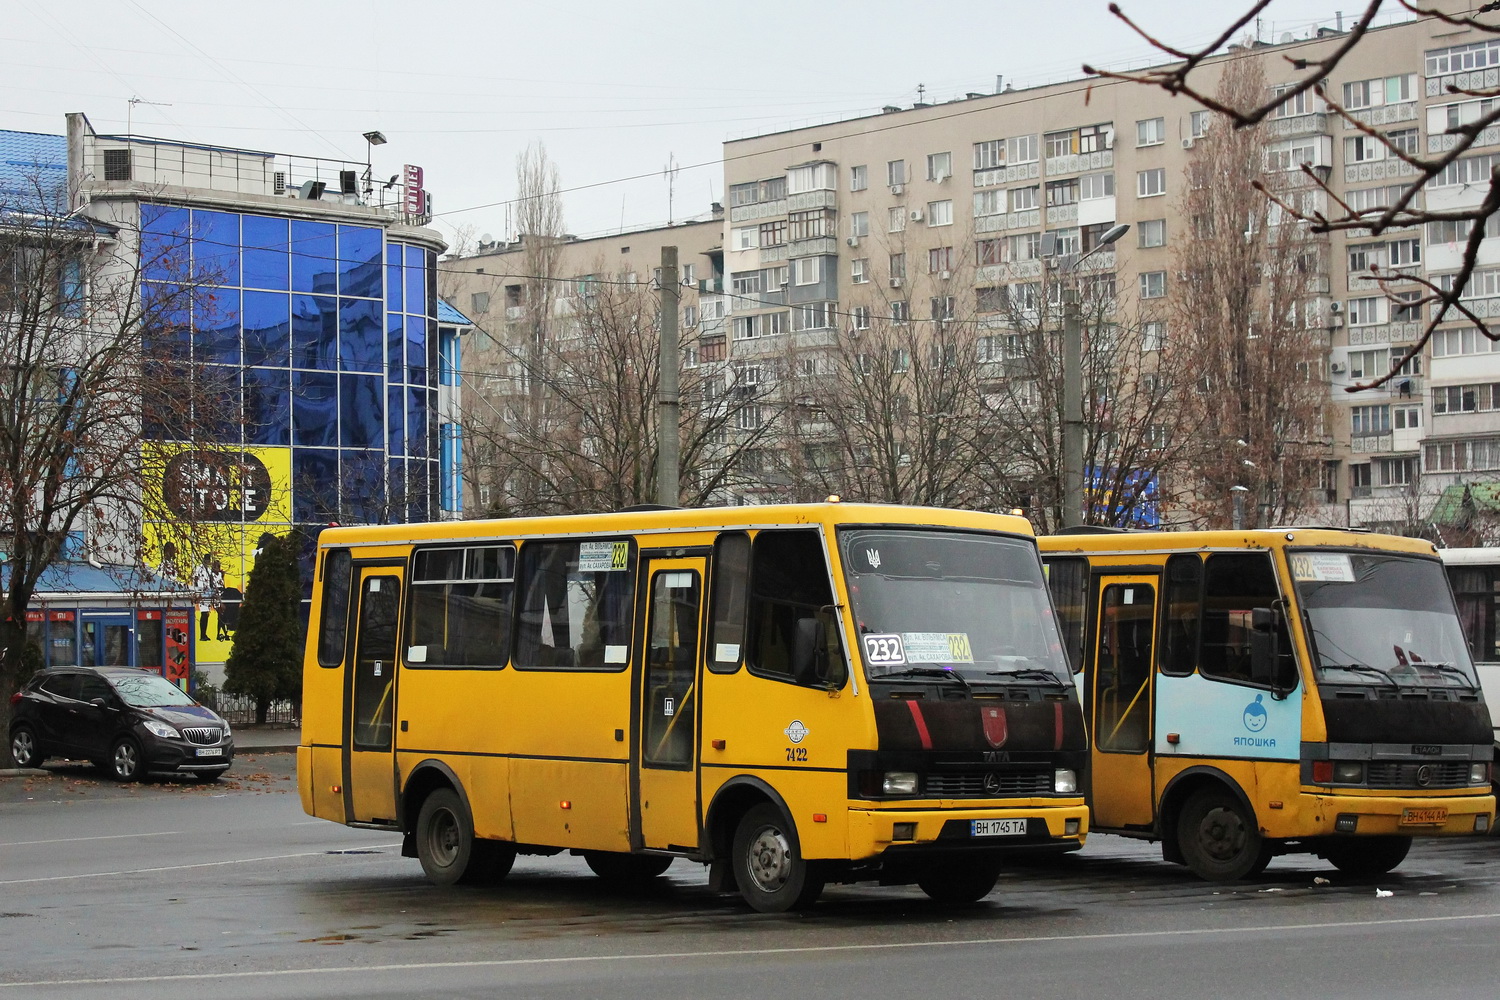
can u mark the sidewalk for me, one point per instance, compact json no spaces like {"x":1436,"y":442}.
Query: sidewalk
{"x":270,"y":738}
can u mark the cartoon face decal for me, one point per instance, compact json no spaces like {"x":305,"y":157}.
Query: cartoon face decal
{"x":1255,"y":715}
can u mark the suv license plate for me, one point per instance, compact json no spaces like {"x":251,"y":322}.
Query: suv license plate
{"x":210,"y":751}
{"x":1424,"y":817}
{"x":997,"y":828}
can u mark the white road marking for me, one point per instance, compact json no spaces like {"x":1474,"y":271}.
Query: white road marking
{"x":753,"y":952}
{"x":75,"y":840}
{"x":204,"y":864}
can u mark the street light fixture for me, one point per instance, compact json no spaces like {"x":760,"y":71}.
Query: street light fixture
{"x":1072,"y":424}
{"x":373,"y":138}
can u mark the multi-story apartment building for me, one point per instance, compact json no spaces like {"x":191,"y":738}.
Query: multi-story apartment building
{"x":822,"y":219}
{"x":528,"y":299}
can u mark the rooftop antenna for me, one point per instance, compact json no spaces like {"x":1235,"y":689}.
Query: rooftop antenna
{"x":130,"y":111}
{"x":921,"y":93}
{"x":670,"y":173}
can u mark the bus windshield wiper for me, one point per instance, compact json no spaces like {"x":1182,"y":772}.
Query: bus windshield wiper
{"x":1036,"y":673}
{"x":1443,"y":668}
{"x":932,"y":672}
{"x":1360,"y":668}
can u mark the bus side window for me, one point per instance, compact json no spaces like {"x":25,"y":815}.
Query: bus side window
{"x":731,"y":586}
{"x":1234,"y":586}
{"x":1181,"y":614}
{"x":576,"y":606}
{"x":1068,"y":580}
{"x":789,"y":588}
{"x":338,"y":567}
{"x":461,"y":600}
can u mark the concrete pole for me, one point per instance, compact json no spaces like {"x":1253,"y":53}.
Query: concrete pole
{"x":668,"y":397}
{"x":1072,"y":424}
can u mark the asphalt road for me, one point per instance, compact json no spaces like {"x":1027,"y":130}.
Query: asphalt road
{"x":171,"y":889}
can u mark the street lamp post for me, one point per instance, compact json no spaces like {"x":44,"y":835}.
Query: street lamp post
{"x":1072,"y":423}
{"x":373,"y":138}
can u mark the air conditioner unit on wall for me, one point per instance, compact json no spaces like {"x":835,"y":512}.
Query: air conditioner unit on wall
{"x":1187,"y":143}
{"x":916,"y":215}
{"x":1337,"y":368}
{"x":895,"y":282}
{"x":897,"y":188}
{"x":852,"y":241}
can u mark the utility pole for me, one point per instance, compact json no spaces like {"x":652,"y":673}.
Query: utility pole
{"x":1072,"y":423}
{"x":667,"y":492}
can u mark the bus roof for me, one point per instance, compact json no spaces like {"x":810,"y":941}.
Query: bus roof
{"x":674,"y":519}
{"x":1251,"y":538}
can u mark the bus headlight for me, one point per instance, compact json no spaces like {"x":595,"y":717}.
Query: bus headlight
{"x":899,"y":783}
{"x":1348,"y":772}
{"x":1479,"y":774}
{"x":1064,"y":780}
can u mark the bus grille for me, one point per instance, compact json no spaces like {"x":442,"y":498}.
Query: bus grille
{"x":988,"y":784}
{"x":1410,"y":774}
{"x":206,"y":736}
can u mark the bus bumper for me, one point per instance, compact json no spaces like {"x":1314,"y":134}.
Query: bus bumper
{"x":1443,"y":816}
{"x":876,"y":831}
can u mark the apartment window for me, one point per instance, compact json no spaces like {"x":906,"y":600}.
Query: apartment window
{"x":1096,"y":138}
{"x":1396,"y":471}
{"x":1462,"y":340}
{"x":859,"y":318}
{"x":1369,"y":420}
{"x":939,"y":166}
{"x":748,"y":418}
{"x":1366,"y":311}
{"x":859,"y":177}
{"x":1401,"y":253}
{"x":1066,"y":242}
{"x":689,"y":317}
{"x":1062,"y":192}
{"x":1198,"y":123}
{"x":1303,"y":103}
{"x":1463,"y":58}
{"x":479,"y":302}
{"x":859,"y":270}
{"x":1406,"y":418}
{"x":1151,"y":183}
{"x":1151,"y":132}
{"x":1362,"y":256}
{"x":896,"y":266}
{"x":1094,"y":233}
{"x":808,"y":270}
{"x":940,"y":213}
{"x":1467,"y":170}
{"x":773,"y":234}
{"x":989,"y":300}
{"x":1022,"y":149}
{"x":942,"y":307}
{"x":939,"y":260}
{"x":1061,"y":143}
{"x":1404,"y":139}
{"x":1359,"y":479}
{"x":989,"y":252}
{"x":1385,"y":90}
{"x":1092,"y":187}
{"x":1025,"y":295}
{"x":810,"y":225}
{"x":900,"y":311}
{"x":776,"y":322}
{"x":895,"y":220}
{"x":687,"y":274}
{"x":1023,"y":246}
{"x":1153,"y":335}
{"x":1363,"y":149}
{"x":988,"y":203}
{"x":746,"y":238}
{"x":859,"y":224}
{"x":895,"y":172}
{"x":1152,"y":232}
{"x":814,"y":316}
{"x":748,"y":283}
{"x":1025,"y":199}
{"x":1153,"y":284}
{"x":1368,"y":364}
{"x":989,"y":155}
{"x":812,"y":177}
{"x":117,"y":164}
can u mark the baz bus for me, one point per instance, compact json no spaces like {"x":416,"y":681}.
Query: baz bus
{"x":790,"y":695}
{"x":1253,"y":693}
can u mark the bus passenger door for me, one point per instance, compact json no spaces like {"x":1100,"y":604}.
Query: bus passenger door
{"x":1121,"y":788}
{"x":369,"y":699}
{"x":664,"y":811}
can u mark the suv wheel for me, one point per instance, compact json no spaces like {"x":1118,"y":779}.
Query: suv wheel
{"x":125,"y":760}
{"x":24,"y":749}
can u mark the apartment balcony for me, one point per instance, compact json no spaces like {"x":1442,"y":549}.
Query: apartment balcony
{"x":1058,"y":215}
{"x":1295,"y":125}
{"x":1383,"y":333}
{"x":1029,"y":219}
{"x":1378,"y":170}
{"x":818,"y":246}
{"x":1079,"y":162}
{"x":808,"y":200}
{"x":995,"y":176}
{"x":1365,"y":284}
{"x":711,"y":286}
{"x":1441,"y":143}
{"x":1009,"y":272}
{"x":1372,"y":443}
{"x":773,"y":254}
{"x":760,"y":210}
{"x":1479,"y":79}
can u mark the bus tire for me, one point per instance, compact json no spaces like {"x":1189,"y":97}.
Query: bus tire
{"x":626,"y":869}
{"x":490,"y":862}
{"x":445,"y":838}
{"x":960,"y":881}
{"x":1364,"y":855}
{"x":768,"y":864}
{"x":1219,"y":839}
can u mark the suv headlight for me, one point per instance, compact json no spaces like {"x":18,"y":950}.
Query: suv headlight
{"x":161,"y":729}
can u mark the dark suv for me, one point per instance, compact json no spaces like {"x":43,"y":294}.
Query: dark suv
{"x":125,"y":720}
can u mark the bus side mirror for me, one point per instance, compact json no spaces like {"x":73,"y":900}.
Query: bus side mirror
{"x":1265,"y":649}
{"x":812,"y":666}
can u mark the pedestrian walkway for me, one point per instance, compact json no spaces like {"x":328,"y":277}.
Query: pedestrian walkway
{"x":270,"y":738}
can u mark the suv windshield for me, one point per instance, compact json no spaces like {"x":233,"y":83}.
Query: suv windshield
{"x":943,"y":602}
{"x":1379,"y":618}
{"x":149,"y":691}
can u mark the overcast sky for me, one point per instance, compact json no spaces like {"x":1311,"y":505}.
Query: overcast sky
{"x":614,"y":90}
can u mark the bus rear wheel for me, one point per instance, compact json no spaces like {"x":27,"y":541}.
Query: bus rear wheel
{"x":626,"y":869}
{"x":768,"y":864}
{"x":1364,"y":855}
{"x":960,"y":882}
{"x":445,"y":841}
{"x":1219,"y":839}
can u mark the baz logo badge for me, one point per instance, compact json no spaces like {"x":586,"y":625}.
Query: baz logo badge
{"x":796,"y":732}
{"x":1255,"y":715}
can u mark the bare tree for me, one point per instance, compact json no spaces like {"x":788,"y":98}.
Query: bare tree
{"x":1243,"y":305}
{"x":1442,"y":299}
{"x":90,"y":364}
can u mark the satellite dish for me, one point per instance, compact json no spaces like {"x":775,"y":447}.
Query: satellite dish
{"x":1286,"y":37}
{"x":486,"y":238}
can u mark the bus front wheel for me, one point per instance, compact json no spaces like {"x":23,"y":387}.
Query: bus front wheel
{"x":768,"y":865}
{"x":445,"y":840}
{"x":1219,"y":839}
{"x":1364,"y":855}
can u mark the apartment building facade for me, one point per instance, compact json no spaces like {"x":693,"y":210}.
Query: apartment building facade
{"x":825,"y":220}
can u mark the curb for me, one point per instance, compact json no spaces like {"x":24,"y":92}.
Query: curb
{"x":23,"y":772}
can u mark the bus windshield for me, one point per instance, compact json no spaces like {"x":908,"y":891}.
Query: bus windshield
{"x":963,"y":604}
{"x":1381,"y":619}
